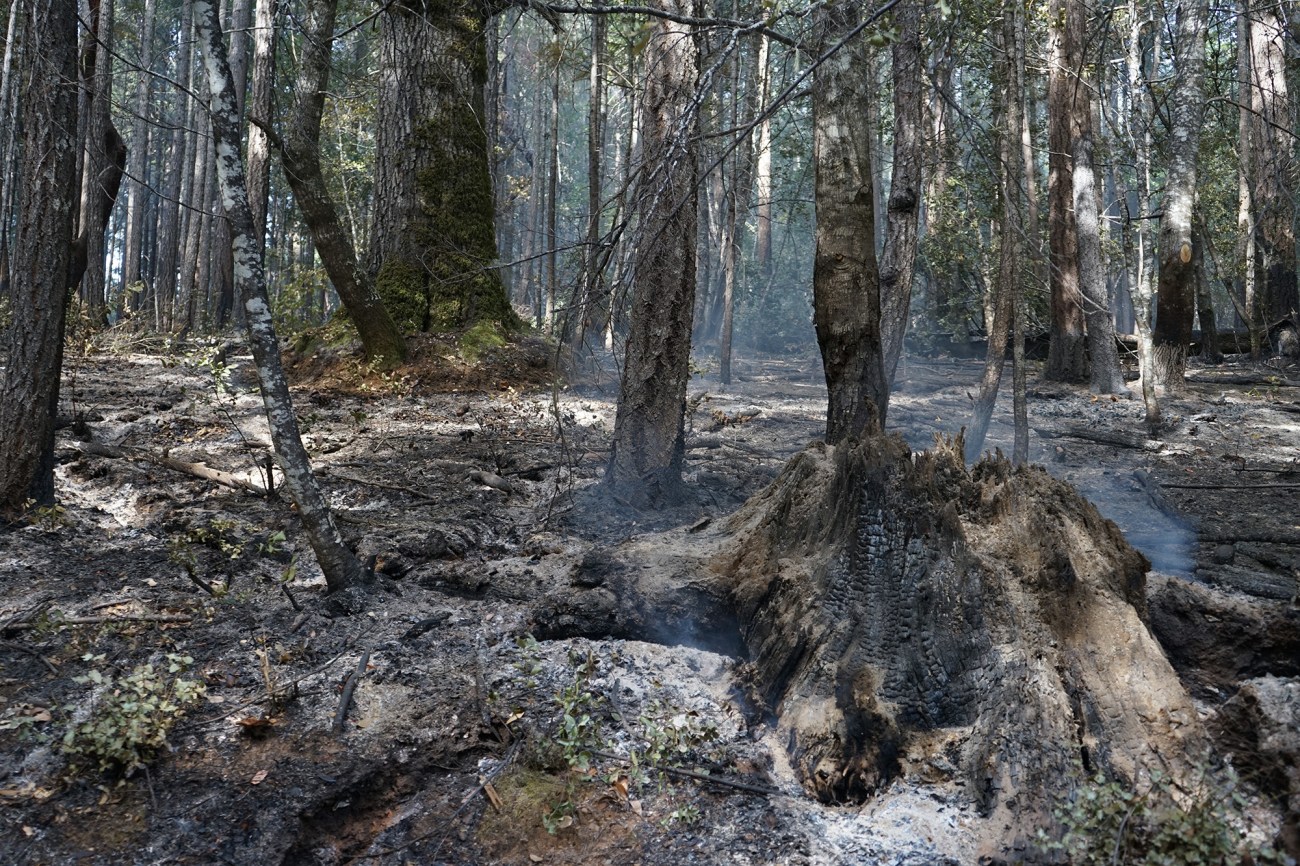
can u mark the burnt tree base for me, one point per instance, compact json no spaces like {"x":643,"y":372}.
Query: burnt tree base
{"x":895,"y":603}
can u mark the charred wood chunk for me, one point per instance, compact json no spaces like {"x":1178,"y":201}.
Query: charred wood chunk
{"x":900,"y":608}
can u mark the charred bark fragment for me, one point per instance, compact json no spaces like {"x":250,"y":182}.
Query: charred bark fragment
{"x":897,"y":605}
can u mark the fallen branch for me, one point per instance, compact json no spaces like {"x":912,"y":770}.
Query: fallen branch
{"x":1191,"y":486}
{"x":348,"y":688}
{"x":700,"y":777}
{"x":56,"y":619}
{"x":1225,"y":536}
{"x":198,"y":470}
{"x":17,"y":647}
{"x":401,"y":488}
{"x":1119,"y":440}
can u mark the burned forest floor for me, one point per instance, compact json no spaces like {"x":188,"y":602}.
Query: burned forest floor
{"x":483,"y":702}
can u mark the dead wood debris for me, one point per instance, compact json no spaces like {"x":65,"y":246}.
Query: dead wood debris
{"x":198,"y":470}
{"x":348,"y":688}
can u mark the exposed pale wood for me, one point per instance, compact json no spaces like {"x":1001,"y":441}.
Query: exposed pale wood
{"x":198,"y":470}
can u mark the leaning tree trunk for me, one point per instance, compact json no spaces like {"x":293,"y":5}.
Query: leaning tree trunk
{"x":42,"y":251}
{"x":381,"y":340}
{"x":645,"y":464}
{"x":846,"y":283}
{"x":908,"y":617}
{"x":1175,"y":293}
{"x":338,"y":563}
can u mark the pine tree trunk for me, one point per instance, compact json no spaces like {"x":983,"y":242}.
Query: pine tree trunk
{"x":846,"y":284}
{"x":1010,"y":99}
{"x":1176,"y":294}
{"x":339,"y":565}
{"x":1067,"y":361}
{"x":433,"y":234}
{"x":137,"y":187}
{"x":261,"y":103}
{"x":645,"y":465}
{"x":898,"y":262}
{"x":42,"y":253}
{"x":1272,"y":145}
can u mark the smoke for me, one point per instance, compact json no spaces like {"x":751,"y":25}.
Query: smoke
{"x":1164,"y":538}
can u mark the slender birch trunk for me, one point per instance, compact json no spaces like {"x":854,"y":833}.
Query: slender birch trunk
{"x":338,"y":563}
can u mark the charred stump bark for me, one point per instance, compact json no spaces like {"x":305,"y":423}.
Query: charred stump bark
{"x":900,"y":606}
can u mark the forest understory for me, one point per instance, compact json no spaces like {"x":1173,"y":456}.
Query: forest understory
{"x":495,"y":696}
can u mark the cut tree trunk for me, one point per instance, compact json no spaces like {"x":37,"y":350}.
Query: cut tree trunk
{"x":899,"y":607}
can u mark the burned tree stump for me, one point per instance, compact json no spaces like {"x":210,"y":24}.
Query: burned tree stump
{"x":899,"y":604}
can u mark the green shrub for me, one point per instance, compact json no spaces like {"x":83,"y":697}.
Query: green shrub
{"x":131,"y":719}
{"x":1107,"y":822}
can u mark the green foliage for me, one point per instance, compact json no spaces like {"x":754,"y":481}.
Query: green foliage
{"x":49,"y":518}
{"x":129,"y":724}
{"x":294,"y":308}
{"x":1107,"y":821}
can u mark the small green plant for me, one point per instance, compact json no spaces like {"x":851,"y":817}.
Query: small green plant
{"x":1107,"y":821}
{"x":687,"y":814}
{"x":49,"y":518}
{"x":579,"y":732}
{"x":128,"y":726}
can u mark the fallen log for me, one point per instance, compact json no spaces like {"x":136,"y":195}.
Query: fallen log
{"x":198,"y":470}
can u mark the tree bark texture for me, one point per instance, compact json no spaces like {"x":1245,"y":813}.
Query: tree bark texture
{"x":104,"y":160}
{"x":381,"y":339}
{"x":138,"y":192}
{"x":1010,"y":100}
{"x":338,"y":563}
{"x":261,"y":103}
{"x":433,"y":236}
{"x":899,"y":607}
{"x":898,"y":260}
{"x":1067,"y":360}
{"x":846,"y":283}
{"x":645,"y":465}
{"x":1273,"y":163}
{"x":42,"y":254}
{"x":1176,"y":290}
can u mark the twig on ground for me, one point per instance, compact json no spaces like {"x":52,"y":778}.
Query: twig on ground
{"x":348,"y":688}
{"x":17,"y":647}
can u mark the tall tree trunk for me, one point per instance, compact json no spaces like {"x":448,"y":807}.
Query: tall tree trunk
{"x":1273,"y":164}
{"x":138,"y":192}
{"x":592,"y":314}
{"x":381,"y":340}
{"x":898,"y":262}
{"x":433,"y":234}
{"x":645,"y":464}
{"x":8,"y":139}
{"x":552,"y":196}
{"x":1143,"y":279}
{"x":261,"y":103}
{"x":42,"y":253}
{"x":846,"y":284}
{"x":338,"y":563}
{"x":1067,"y":361}
{"x":104,"y":160}
{"x":1010,"y":100}
{"x":1105,"y":375}
{"x":763,"y":165}
{"x":1248,"y":291}
{"x":1176,"y":295}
